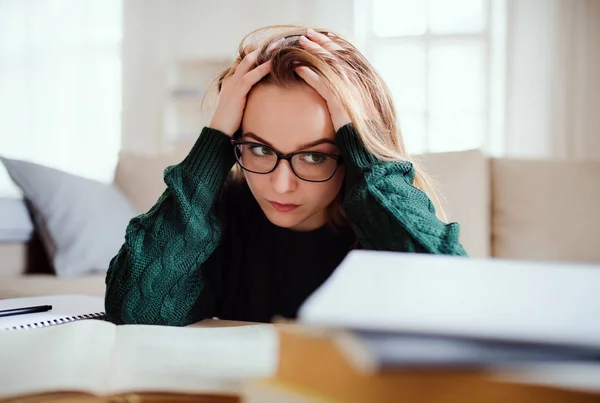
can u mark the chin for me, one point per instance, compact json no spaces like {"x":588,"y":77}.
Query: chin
{"x":284,"y":220}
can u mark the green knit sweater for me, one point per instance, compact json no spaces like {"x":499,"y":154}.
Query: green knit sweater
{"x":156,"y":277}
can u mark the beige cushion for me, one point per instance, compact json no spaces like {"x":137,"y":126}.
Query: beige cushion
{"x":462,"y":179}
{"x":19,"y":258}
{"x":140,"y":176}
{"x":546,"y":210}
{"x":13,"y":259}
{"x":48,"y":284}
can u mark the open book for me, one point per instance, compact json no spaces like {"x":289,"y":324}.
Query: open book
{"x":100,"y":358}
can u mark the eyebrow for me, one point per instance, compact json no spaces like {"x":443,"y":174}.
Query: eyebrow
{"x":302,"y":147}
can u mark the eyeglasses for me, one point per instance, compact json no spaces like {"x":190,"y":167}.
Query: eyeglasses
{"x":310,"y":166}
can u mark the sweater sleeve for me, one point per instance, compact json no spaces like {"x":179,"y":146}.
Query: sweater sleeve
{"x":156,"y":276}
{"x":386,"y":211}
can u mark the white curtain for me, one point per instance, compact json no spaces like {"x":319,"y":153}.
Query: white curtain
{"x":60,"y":85}
{"x":576,"y":106}
{"x":553,"y":79}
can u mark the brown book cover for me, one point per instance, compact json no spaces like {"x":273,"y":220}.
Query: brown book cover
{"x":311,"y":360}
{"x":124,"y":398}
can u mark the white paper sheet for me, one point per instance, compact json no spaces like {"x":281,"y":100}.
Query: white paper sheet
{"x":64,"y":308}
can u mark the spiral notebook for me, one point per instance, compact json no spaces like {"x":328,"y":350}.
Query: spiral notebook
{"x":65,"y":309}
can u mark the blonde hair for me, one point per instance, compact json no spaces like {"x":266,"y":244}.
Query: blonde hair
{"x":373,"y":115}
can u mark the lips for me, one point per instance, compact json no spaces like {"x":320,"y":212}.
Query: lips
{"x":284,"y":207}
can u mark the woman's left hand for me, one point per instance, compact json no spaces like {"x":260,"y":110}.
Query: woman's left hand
{"x":318,"y":42}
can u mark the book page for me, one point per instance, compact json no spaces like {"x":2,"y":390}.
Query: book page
{"x":69,"y":357}
{"x":569,"y":375}
{"x":447,"y":295}
{"x":192,"y":359}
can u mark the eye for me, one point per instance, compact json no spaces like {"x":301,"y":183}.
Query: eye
{"x":260,"y":151}
{"x":314,"y":158}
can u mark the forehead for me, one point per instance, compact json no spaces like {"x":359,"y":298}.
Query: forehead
{"x":287,"y":117}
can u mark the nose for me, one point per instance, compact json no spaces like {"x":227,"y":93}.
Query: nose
{"x":283,"y":179}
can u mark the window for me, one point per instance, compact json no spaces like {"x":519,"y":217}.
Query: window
{"x":60,"y":74}
{"x":435,"y":57}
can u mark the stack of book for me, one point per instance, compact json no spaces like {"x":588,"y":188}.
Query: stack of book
{"x":389,"y":327}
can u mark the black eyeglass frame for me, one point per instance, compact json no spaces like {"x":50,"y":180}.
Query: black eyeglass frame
{"x":288,"y":157}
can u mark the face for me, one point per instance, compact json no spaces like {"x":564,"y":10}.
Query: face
{"x":289,"y":120}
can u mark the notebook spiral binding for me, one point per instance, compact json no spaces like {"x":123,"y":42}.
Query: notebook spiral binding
{"x":59,"y":321}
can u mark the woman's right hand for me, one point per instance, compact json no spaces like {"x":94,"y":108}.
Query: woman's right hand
{"x":234,"y":91}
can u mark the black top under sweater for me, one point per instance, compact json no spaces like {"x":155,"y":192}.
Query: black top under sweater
{"x":282,"y":266}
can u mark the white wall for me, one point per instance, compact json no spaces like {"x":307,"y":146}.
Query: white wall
{"x":158,"y":32}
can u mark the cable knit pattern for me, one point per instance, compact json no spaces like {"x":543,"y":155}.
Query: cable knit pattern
{"x":156,"y":277}
{"x":386,"y":211}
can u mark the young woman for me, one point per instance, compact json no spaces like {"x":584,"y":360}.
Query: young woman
{"x":321,"y":169}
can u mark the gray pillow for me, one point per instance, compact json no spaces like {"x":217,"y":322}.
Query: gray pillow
{"x":81,"y":221}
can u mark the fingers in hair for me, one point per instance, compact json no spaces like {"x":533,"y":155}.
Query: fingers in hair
{"x":255,"y":75}
{"x":323,"y":40}
{"x":313,"y":79}
{"x":247,"y":64}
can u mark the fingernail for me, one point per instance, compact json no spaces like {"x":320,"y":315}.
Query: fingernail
{"x":311,"y":31}
{"x":331,"y":34}
{"x":303,"y":38}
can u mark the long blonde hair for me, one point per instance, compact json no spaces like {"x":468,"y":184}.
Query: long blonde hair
{"x":373,"y":115}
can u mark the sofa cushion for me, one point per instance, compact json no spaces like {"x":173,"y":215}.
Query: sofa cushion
{"x":81,"y":222}
{"x":546,"y":210}
{"x":19,"y":258}
{"x":13,"y":259}
{"x":462,"y":181}
{"x":140,"y":176}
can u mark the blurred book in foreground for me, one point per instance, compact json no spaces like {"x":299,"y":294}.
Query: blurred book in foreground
{"x":98,"y":360}
{"x":313,"y":369}
{"x":443,"y":301}
{"x":399,"y":323}
{"x":372,"y":351}
{"x":487,"y":299}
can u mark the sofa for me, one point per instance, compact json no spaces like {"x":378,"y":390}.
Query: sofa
{"x":508,"y":208}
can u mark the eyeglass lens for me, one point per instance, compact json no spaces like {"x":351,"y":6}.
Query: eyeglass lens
{"x":312,"y":166}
